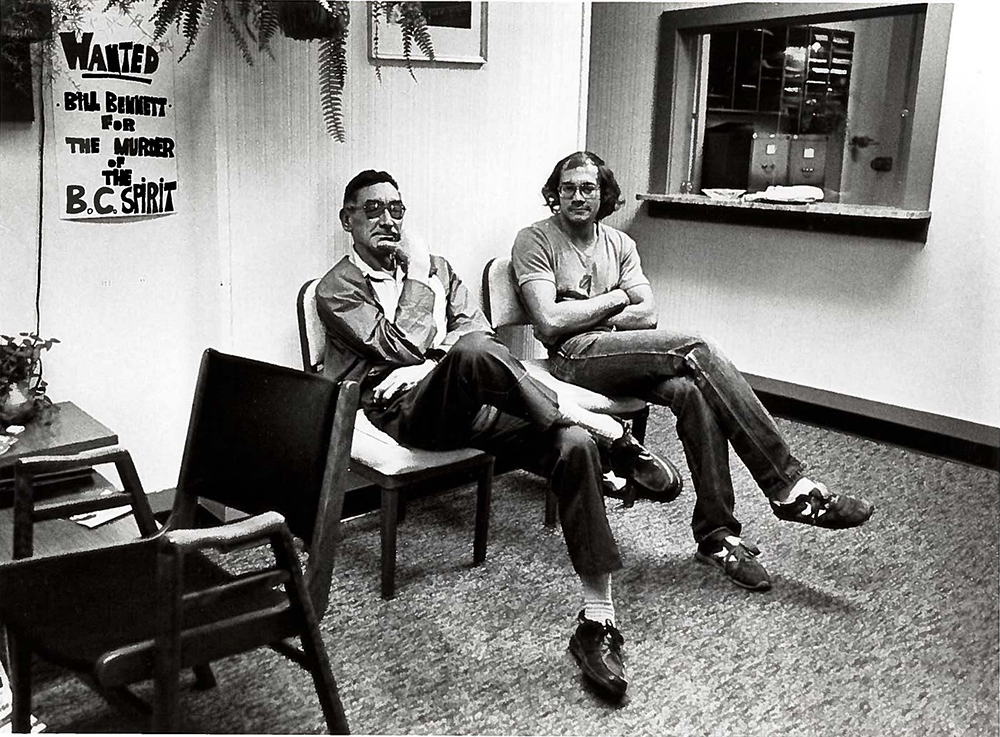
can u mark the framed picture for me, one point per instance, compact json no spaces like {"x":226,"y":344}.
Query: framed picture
{"x":458,"y":32}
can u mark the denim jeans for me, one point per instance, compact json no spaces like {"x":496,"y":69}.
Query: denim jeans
{"x":710,"y":398}
{"x":445,"y":410}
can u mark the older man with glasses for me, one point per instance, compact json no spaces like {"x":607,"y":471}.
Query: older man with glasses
{"x":401,"y":323}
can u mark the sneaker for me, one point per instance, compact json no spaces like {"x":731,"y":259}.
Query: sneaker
{"x":598,"y":649}
{"x":738,"y":561}
{"x":822,"y":508}
{"x":653,"y":477}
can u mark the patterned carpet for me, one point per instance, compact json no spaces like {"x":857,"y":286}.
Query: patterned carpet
{"x":890,"y":629}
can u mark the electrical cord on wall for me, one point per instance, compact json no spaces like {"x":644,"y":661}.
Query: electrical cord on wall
{"x":41,"y":190}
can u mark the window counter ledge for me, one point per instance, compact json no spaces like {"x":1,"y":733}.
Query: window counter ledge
{"x":871,"y":220}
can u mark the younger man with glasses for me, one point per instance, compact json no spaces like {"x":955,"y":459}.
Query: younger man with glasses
{"x":583,"y":287}
{"x":433,"y":376}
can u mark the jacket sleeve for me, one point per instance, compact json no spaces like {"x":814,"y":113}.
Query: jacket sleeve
{"x":463,"y":315}
{"x":350,"y":314}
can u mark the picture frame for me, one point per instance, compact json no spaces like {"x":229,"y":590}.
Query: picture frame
{"x":458,"y":31}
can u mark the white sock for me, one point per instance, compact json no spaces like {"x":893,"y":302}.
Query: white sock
{"x":602,"y":426}
{"x":597,"y":603}
{"x":799,"y":488}
{"x":722,"y":552}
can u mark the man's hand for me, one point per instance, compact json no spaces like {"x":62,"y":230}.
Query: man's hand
{"x":410,"y":252}
{"x":401,"y":379}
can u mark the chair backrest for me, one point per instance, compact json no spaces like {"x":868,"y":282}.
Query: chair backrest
{"x":501,"y":301}
{"x":269,"y":438}
{"x":312,"y":334}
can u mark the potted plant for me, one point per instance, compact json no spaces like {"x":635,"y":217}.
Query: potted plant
{"x":22,"y":390}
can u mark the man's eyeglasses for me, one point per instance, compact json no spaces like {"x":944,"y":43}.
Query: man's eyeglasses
{"x":374,"y":208}
{"x":587,"y":190}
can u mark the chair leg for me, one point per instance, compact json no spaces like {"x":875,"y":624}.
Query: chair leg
{"x":165,"y":702}
{"x":122,"y":699}
{"x":167,"y":653}
{"x":204,"y":679}
{"x":322,"y":675}
{"x":484,"y":492}
{"x":550,"y":508}
{"x":20,"y":685}
{"x":390,"y":520}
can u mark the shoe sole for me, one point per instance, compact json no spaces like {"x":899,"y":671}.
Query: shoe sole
{"x":809,"y":521}
{"x":672,"y":489}
{"x":663,"y":497}
{"x":605,"y":691}
{"x":709,"y":561}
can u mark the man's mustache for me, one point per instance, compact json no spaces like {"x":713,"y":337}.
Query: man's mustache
{"x":390,"y":234}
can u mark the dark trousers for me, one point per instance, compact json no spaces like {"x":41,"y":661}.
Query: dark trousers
{"x":713,"y":403}
{"x":445,"y":410}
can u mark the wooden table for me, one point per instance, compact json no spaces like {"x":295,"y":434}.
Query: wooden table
{"x":71,"y":431}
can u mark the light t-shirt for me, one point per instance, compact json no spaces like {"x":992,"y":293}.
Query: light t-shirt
{"x":543,"y":251}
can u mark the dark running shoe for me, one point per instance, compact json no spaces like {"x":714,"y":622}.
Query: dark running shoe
{"x":738,"y":562}
{"x":598,"y":649}
{"x":654,"y":477}
{"x":822,"y":508}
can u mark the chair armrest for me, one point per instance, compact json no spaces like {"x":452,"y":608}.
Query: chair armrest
{"x":51,"y":463}
{"x":260,"y":527}
{"x":26,"y":512}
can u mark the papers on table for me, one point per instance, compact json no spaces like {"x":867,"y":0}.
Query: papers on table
{"x":100,"y":516}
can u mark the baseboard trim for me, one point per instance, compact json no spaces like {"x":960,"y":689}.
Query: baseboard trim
{"x":924,"y":432}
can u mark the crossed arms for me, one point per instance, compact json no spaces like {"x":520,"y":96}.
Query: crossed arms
{"x":619,"y":309}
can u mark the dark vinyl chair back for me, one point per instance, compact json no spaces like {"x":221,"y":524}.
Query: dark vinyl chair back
{"x":256,"y":428}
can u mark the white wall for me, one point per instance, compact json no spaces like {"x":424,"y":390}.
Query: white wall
{"x":901,"y":323}
{"x":135,"y":303}
{"x":127,"y":299}
{"x":470,"y":148}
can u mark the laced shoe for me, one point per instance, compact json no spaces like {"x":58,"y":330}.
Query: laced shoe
{"x":738,"y":561}
{"x":823,"y":508}
{"x":598,"y":649}
{"x":654,"y":477}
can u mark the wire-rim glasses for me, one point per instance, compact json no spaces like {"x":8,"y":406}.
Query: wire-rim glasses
{"x":587,"y":190}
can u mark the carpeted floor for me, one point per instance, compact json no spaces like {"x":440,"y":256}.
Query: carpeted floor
{"x":891,"y":629}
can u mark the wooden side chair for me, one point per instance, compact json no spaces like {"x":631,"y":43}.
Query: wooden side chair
{"x":503,"y":308}
{"x":51,"y":511}
{"x":269,"y":441}
{"x":398,"y":471}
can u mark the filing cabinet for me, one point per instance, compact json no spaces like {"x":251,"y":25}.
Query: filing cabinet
{"x":768,"y":161}
{"x":739,"y":157}
{"x":807,"y":160}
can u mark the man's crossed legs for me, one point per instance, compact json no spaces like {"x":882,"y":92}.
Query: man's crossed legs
{"x":715,"y":407}
{"x":479,"y":395}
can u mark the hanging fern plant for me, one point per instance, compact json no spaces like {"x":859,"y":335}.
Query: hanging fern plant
{"x":413,"y":27}
{"x":254,"y":23}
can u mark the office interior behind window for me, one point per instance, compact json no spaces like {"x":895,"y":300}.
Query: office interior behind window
{"x":824,"y":104}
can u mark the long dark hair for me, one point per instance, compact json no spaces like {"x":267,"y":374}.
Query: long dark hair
{"x":611,"y":193}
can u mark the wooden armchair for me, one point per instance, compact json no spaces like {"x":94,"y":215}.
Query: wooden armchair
{"x":267,"y":440}
{"x":398,"y":471}
{"x":30,"y":509}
